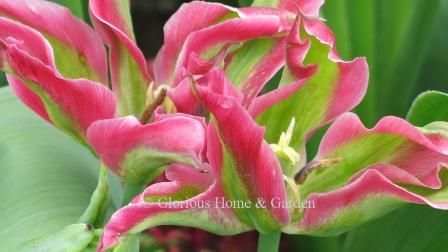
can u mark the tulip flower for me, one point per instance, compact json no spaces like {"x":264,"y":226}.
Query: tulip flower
{"x":233,"y":157}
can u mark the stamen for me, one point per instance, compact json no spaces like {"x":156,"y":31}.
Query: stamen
{"x":282,"y":148}
{"x":294,"y":189}
{"x":152,"y":106}
{"x":301,"y":176}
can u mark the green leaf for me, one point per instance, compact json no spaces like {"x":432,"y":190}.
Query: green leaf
{"x":394,"y":36}
{"x":99,"y":200}
{"x":73,"y":238}
{"x":78,"y":7}
{"x":245,"y":3}
{"x":412,"y":229}
{"x":429,"y":107}
{"x":3,"y":80}
{"x":46,"y":179}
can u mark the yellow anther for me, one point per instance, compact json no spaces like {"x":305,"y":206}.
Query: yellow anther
{"x":282,"y":148}
{"x":293,"y":187}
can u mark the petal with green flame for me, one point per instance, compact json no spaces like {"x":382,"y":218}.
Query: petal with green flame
{"x":70,"y":105}
{"x":374,"y":170}
{"x":130,"y":78}
{"x":139,"y":153}
{"x":189,"y":198}
{"x":334,"y":86}
{"x":245,"y":164}
{"x":78,"y":50}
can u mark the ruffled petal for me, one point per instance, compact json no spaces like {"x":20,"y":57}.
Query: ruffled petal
{"x":71,"y":105}
{"x":369,"y":196}
{"x":69,"y":37}
{"x":334,"y":86}
{"x":245,"y":164}
{"x":185,"y":21}
{"x":130,"y":78}
{"x":139,"y":153}
{"x":309,"y":7}
{"x":368,"y":172}
{"x":186,"y":200}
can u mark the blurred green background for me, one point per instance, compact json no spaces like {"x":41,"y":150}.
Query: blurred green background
{"x":406,"y":45}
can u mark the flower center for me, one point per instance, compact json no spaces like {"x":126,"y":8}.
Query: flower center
{"x":282,"y":148}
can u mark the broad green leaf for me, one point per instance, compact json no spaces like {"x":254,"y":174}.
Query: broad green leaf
{"x":429,"y":107}
{"x":393,"y":35}
{"x":412,"y":229}
{"x":46,"y":179}
{"x":352,"y":21}
{"x":3,"y":80}
{"x":245,"y":3}
{"x":316,"y":244}
{"x":410,"y":57}
{"x":433,"y":74}
{"x":73,"y":238}
{"x":78,"y":7}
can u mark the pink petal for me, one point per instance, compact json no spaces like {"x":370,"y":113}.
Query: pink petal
{"x":255,"y":163}
{"x":74,"y":104}
{"x":333,"y":86}
{"x":140,"y":215}
{"x":371,"y":184}
{"x":348,"y":128}
{"x":309,"y":7}
{"x":111,"y":22}
{"x":186,"y":102}
{"x":351,"y":85}
{"x":173,"y":138}
{"x":264,"y":71}
{"x":228,"y":32}
{"x":34,"y":44}
{"x":185,"y":21}
{"x":129,"y":73}
{"x":266,"y":101}
{"x":57,"y":22}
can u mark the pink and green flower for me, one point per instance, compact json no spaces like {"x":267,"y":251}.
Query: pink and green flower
{"x":193,"y":131}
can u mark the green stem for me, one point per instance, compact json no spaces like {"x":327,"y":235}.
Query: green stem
{"x":130,"y":191}
{"x":269,"y":242}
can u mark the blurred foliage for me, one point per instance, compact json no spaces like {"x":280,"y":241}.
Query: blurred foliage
{"x":394,"y":35}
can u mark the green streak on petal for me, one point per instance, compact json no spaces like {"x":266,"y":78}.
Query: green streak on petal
{"x":211,"y":51}
{"x":142,"y":165}
{"x":265,"y":3}
{"x":309,"y":104}
{"x":132,"y":86}
{"x":349,"y":216}
{"x":69,"y":62}
{"x":125,"y":11}
{"x":246,"y":59}
{"x":58,"y":116}
{"x":238,"y":187}
{"x":435,"y":195}
{"x":186,"y":192}
{"x":356,"y":155}
{"x":218,"y":223}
